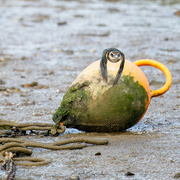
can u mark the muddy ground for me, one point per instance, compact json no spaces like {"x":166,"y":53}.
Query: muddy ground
{"x":51,"y":42}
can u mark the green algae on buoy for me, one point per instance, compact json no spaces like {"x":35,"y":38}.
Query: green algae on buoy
{"x":107,"y":96}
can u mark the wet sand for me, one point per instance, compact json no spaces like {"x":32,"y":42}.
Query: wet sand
{"x":51,"y":42}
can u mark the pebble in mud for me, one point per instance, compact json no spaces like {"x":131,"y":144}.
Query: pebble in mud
{"x":2,"y":81}
{"x":73,"y":177}
{"x":176,"y":176}
{"x":31,"y":84}
{"x":98,"y":153}
{"x":129,"y":174}
{"x":62,"y":23}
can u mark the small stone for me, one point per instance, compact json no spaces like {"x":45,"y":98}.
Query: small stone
{"x":69,"y":52}
{"x":59,"y":90}
{"x":176,"y":176}
{"x":24,"y":58}
{"x":37,"y":114}
{"x":62,"y":23}
{"x":129,"y":174}
{"x":58,"y":50}
{"x":98,"y":154}
{"x":73,"y":177}
{"x":17,"y":90}
{"x":51,"y":73}
{"x":2,"y":82}
{"x":30,"y":85}
{"x":34,"y":84}
{"x":166,"y":39}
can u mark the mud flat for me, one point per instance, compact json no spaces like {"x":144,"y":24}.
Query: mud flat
{"x":44,"y":45}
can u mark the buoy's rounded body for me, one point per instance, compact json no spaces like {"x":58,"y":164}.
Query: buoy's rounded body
{"x":94,"y":105}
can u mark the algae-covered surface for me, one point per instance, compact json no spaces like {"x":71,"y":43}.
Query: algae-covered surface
{"x":116,"y":109}
{"x":45,"y":44}
{"x":73,"y":106}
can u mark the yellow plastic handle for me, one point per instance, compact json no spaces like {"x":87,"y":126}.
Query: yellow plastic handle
{"x":163,"y":68}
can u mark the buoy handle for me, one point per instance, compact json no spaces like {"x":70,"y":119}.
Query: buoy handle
{"x":163,"y":68}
